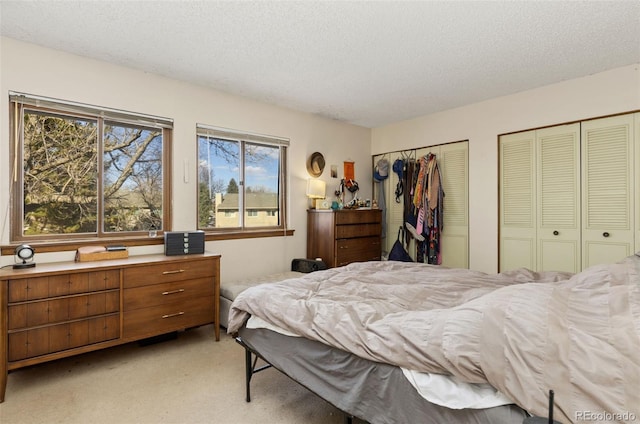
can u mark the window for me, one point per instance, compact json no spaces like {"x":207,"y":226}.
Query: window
{"x":83,"y":171}
{"x":240,"y":175}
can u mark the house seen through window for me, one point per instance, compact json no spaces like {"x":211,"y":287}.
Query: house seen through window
{"x":85,"y":171}
{"x":240,"y":180}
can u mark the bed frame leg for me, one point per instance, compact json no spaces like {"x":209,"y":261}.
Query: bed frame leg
{"x":250,"y":364}
{"x":248,"y":372}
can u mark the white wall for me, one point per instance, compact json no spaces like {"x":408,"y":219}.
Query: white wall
{"x":611,"y":92}
{"x":35,"y":70}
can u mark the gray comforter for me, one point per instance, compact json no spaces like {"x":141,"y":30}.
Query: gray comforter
{"x":522,"y":332}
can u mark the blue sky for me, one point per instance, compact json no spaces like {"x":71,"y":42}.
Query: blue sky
{"x":262,"y":173}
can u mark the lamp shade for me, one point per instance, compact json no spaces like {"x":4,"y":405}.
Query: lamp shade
{"x":316,"y":189}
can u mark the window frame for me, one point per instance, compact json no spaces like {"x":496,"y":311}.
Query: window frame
{"x":18,"y":103}
{"x":244,"y":138}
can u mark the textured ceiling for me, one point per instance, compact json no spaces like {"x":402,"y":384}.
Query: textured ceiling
{"x":364,"y":62}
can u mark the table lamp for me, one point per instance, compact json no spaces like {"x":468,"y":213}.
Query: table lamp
{"x":316,"y":191}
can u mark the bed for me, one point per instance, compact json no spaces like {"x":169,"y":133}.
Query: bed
{"x":521,"y":333}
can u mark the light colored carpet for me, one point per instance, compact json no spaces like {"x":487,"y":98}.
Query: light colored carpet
{"x":191,"y":379}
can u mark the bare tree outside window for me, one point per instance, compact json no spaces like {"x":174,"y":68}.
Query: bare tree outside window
{"x":60,"y":174}
{"x":132,"y":178}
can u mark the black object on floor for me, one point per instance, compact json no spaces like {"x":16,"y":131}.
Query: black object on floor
{"x":158,"y":339}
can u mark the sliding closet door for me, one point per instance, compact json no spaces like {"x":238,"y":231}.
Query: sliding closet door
{"x":517,"y":201}
{"x":558,"y":198}
{"x":454,"y":166}
{"x":608,"y":190}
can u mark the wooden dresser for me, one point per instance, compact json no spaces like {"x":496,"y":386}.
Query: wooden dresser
{"x":344,"y":236}
{"x":62,"y":309}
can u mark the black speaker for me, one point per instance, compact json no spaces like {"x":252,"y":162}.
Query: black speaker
{"x":183,"y":242}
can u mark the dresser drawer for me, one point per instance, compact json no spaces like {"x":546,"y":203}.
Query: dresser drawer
{"x":357,"y":250}
{"x":358,"y":216}
{"x":40,"y":341}
{"x":158,"y":294}
{"x":35,"y":313}
{"x":63,"y":284}
{"x":167,"y":272}
{"x":361,"y":230}
{"x":147,"y":322}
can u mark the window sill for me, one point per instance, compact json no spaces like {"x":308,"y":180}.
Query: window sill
{"x":234,"y":235}
{"x":67,"y":245}
{"x":72,"y":245}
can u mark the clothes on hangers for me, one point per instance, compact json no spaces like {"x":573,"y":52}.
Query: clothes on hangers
{"x":424,"y":220}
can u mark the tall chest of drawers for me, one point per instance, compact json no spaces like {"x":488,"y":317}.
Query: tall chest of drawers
{"x":344,"y":236}
{"x":63,"y":309}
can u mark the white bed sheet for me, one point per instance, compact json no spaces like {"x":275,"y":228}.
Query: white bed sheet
{"x":440,"y":389}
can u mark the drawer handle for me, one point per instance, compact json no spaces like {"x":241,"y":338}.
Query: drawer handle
{"x":172,"y":315}
{"x":172,"y":292}
{"x":177,"y":271}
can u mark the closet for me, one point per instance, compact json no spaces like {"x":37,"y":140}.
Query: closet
{"x":569,"y":195}
{"x":453,"y":163}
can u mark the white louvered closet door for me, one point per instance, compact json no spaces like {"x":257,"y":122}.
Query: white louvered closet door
{"x":608,"y":190}
{"x":558,"y":198}
{"x":517,"y":201}
{"x":454,"y":168}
